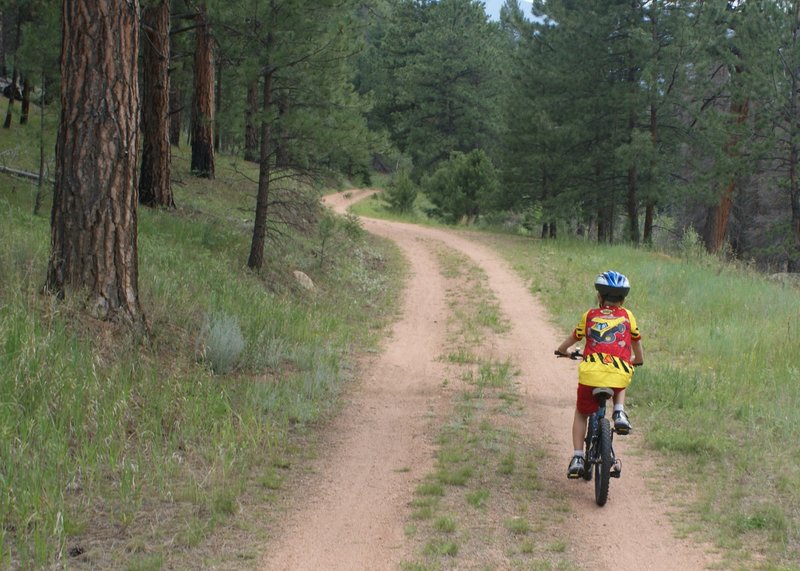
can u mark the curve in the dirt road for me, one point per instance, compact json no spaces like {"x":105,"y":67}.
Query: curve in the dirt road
{"x":355,"y":519}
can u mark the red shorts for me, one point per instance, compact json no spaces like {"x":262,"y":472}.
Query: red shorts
{"x":586,"y":403}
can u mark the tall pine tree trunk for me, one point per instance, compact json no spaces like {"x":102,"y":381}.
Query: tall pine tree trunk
{"x":256,"y":259}
{"x":633,"y":206}
{"x":650,"y":206}
{"x":26,"y":101}
{"x":282,"y":158}
{"x":154,"y":183}
{"x":251,"y":152}
{"x":719,"y":214}
{"x":175,"y":111}
{"x":93,"y":221}
{"x":218,"y":108}
{"x":11,"y":99}
{"x":632,"y":201}
{"x":203,"y":104}
{"x":14,"y":73}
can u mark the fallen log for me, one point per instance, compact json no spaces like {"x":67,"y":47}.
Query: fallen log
{"x":21,"y":174}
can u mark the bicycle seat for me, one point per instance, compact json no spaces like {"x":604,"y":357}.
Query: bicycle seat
{"x":603,"y":391}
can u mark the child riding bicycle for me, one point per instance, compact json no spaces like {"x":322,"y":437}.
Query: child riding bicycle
{"x":613,"y":347}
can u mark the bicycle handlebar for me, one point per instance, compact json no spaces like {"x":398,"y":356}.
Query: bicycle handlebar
{"x":577,"y":355}
{"x":574,"y":355}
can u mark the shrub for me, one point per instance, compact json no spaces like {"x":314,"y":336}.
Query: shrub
{"x":463,"y":187}
{"x":220,"y":343}
{"x":401,"y":193}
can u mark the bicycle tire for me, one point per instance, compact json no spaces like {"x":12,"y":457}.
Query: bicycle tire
{"x":605,"y":459}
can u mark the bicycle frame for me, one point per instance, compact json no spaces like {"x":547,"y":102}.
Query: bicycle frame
{"x":599,"y":456}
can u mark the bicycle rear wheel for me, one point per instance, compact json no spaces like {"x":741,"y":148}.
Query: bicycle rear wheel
{"x":602,"y":468}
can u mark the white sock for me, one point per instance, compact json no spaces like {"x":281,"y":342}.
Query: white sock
{"x":619,"y":407}
{"x":579,"y":453}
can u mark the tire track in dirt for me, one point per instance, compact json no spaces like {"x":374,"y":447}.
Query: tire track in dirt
{"x":354,"y":513}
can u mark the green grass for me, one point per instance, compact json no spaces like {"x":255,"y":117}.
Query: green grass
{"x":105,"y":436}
{"x":718,"y":395}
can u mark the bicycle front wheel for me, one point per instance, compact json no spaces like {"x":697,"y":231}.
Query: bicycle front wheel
{"x":605,"y":459}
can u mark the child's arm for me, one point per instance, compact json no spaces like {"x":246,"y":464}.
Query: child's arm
{"x":563,"y":349}
{"x":638,"y":351}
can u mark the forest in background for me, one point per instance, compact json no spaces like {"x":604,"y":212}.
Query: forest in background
{"x":618,"y":120}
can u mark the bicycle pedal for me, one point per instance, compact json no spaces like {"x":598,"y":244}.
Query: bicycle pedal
{"x":616,"y":469}
{"x":576,"y":475}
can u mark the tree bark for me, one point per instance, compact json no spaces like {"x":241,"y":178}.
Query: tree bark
{"x":94,"y":216}
{"x":605,"y":224}
{"x":202,"y":163}
{"x":218,"y":108}
{"x":10,"y":108}
{"x":256,"y":259}
{"x":3,"y":71}
{"x":282,"y":157}
{"x":633,"y":207}
{"x":154,"y":183}
{"x":718,"y":215}
{"x":649,"y":215}
{"x":175,"y":111}
{"x":650,"y":207}
{"x":251,"y":152}
{"x":15,"y":72}
{"x":25,"y":110}
{"x":37,"y":204}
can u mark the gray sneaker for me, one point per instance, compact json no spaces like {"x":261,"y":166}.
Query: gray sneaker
{"x":575,"y":469}
{"x":621,"y":423}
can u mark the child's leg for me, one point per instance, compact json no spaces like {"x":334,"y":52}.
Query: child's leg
{"x":621,"y":422}
{"x":578,"y":430}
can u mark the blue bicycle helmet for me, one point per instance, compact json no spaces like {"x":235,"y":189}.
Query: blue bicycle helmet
{"x":612,"y":285}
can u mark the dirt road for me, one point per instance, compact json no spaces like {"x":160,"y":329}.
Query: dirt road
{"x":353,"y":513}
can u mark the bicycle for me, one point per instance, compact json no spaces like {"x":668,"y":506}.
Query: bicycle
{"x":599,"y":454}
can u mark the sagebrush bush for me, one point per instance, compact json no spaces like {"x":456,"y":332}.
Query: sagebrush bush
{"x":221,"y":342}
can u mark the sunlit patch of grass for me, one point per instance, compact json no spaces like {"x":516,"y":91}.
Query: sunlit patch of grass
{"x":272,"y":480}
{"x":507,"y":463}
{"x":518,"y":525}
{"x":430,"y":489}
{"x":445,"y":524}
{"x":458,"y":476}
{"x":462,"y":356}
{"x":439,"y":547}
{"x":478,"y":498}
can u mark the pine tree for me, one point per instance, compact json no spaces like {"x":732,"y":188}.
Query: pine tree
{"x":93,"y":222}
